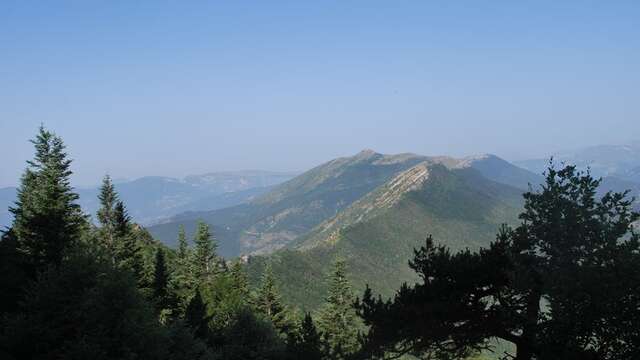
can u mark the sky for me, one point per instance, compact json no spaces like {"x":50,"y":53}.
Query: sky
{"x":174,"y":88}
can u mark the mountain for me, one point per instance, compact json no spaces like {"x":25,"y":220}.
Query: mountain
{"x":273,"y":220}
{"x":289,"y":211}
{"x":151,"y":199}
{"x":502,"y":171}
{"x":617,"y":165}
{"x":376,"y":234}
{"x":621,"y":161}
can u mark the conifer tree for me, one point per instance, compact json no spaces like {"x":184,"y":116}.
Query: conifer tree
{"x":306,"y":344}
{"x":270,"y":304}
{"x":47,"y":220}
{"x":160,"y":280}
{"x":106,"y":214}
{"x":183,"y":281}
{"x":240,"y":282}
{"x":183,"y":246}
{"x":205,"y":252}
{"x":127,"y":250}
{"x":196,"y":316}
{"x":337,"y":318}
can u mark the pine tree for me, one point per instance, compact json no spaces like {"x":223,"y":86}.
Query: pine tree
{"x":127,"y":250}
{"x":240,"y":282}
{"x":306,"y":343}
{"x":183,"y":246}
{"x":269,"y":303}
{"x":196,"y":316}
{"x":337,"y":318}
{"x":183,"y":281}
{"x":47,"y":220}
{"x":106,"y":214}
{"x":205,"y":252}
{"x":160,"y":280}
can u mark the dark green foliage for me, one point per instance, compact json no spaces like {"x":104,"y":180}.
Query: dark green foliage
{"x":196,"y":316}
{"x":47,"y":220}
{"x":84,"y":309}
{"x":563,"y":284}
{"x":269,"y":303}
{"x":205,"y":253}
{"x":249,"y":337}
{"x":107,"y":214}
{"x":305,"y":343}
{"x":183,"y":245}
{"x":184,"y":346}
{"x":160,"y":282}
{"x":337,"y":319}
{"x":240,"y":282}
{"x":128,"y":252}
{"x":15,"y":272}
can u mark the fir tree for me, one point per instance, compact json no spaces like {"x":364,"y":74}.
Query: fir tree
{"x":196,"y":316}
{"x":183,"y":281}
{"x":269,"y":303}
{"x":306,"y":343}
{"x":127,"y":250}
{"x":337,"y":318}
{"x":160,"y":280}
{"x":107,"y":215}
{"x":183,"y":246}
{"x":205,"y":252}
{"x":239,"y":280}
{"x":47,"y":220}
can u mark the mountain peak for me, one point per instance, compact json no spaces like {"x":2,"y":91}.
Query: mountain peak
{"x":365,"y":153}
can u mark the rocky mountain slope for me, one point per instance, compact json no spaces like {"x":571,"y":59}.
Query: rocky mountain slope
{"x":281,"y":217}
{"x":273,"y":220}
{"x":377,"y":234}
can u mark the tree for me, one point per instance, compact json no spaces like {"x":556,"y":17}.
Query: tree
{"x":239,"y":281}
{"x":205,"y":252}
{"x":183,"y":245}
{"x":563,"y":284}
{"x":128,"y":253}
{"x":47,"y":219}
{"x":337,"y":319}
{"x":269,"y":303}
{"x":196,"y":316}
{"x":83,"y":309}
{"x":106,"y":214}
{"x":183,"y":281}
{"x":249,"y":337}
{"x":306,"y":342}
{"x":160,"y":281}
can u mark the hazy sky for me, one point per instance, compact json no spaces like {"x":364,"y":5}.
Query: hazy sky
{"x":179,"y":87}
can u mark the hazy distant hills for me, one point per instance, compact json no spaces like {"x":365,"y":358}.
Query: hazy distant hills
{"x":153,"y":198}
{"x":621,"y":161}
{"x":617,"y":165}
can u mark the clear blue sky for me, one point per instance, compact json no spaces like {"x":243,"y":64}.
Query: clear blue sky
{"x":179,"y":87}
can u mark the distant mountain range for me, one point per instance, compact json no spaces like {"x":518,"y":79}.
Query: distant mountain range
{"x":372,"y":209}
{"x":620,"y":161}
{"x":277,"y":218}
{"x":153,"y":198}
